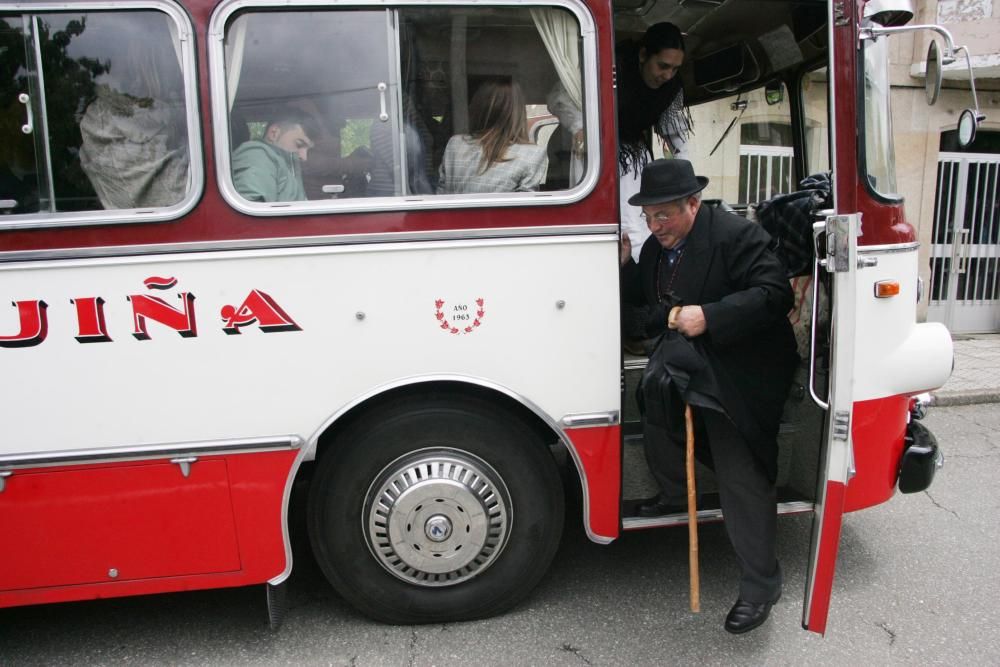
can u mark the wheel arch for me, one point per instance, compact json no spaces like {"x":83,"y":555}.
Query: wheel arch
{"x":324,"y":441}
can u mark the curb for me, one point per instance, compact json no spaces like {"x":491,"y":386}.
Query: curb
{"x":966,"y":397}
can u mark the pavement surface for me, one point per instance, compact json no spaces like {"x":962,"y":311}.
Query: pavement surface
{"x":976,"y":377}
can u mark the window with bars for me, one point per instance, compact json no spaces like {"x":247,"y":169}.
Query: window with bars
{"x":765,"y":171}
{"x":765,"y":161}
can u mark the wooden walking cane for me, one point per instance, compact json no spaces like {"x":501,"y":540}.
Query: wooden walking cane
{"x":692,"y":493}
{"x":692,"y":514}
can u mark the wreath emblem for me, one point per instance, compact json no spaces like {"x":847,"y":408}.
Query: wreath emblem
{"x":464,"y":320}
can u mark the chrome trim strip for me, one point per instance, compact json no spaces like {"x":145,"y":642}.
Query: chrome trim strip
{"x":220,"y":118}
{"x":368,"y":240}
{"x":309,"y":451}
{"x":43,"y":111}
{"x":634,"y":523}
{"x":590,"y":419}
{"x":286,"y":497}
{"x":158,"y":451}
{"x":185,"y":32}
{"x":635,"y":363}
{"x":888,"y":248}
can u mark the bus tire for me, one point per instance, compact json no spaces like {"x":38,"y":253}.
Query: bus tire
{"x":436,"y":510}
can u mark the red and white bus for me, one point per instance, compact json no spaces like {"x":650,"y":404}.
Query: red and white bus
{"x":436,"y":370}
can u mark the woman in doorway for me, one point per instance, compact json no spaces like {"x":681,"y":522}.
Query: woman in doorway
{"x":496,"y":155}
{"x":650,"y":97}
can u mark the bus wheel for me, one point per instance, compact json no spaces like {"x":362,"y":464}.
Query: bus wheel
{"x":436,"y":511}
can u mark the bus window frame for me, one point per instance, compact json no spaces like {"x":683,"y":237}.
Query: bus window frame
{"x":410,"y":202}
{"x":864,"y":177}
{"x":806,"y":159}
{"x":189,"y":72}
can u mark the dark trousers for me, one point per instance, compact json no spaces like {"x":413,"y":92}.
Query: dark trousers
{"x":748,"y":498}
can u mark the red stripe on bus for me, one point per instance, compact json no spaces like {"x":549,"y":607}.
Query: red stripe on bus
{"x":819,"y":607}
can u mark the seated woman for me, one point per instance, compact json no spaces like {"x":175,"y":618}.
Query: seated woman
{"x":496,"y":155}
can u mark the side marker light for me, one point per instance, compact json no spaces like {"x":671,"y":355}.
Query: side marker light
{"x":886,"y":288}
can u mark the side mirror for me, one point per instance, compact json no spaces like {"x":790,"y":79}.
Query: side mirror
{"x":968,"y":123}
{"x":932,"y":80}
{"x":774,"y":93}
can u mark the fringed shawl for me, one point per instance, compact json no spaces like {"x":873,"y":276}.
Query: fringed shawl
{"x":641,"y":108}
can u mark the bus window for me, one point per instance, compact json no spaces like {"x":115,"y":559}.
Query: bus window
{"x":381,"y":95}
{"x":817,"y":123}
{"x":331,"y":71}
{"x":745,"y":148}
{"x":96,"y":116}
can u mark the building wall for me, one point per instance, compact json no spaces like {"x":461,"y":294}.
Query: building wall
{"x":917,"y":127}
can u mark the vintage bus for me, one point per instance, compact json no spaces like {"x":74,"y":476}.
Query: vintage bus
{"x":435,"y":371}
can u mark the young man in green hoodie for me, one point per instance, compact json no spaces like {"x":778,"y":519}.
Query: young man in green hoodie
{"x":269,"y":170}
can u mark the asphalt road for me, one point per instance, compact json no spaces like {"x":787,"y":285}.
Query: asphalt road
{"x":918,"y":583}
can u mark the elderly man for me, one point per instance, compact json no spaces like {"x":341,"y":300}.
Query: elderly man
{"x":713,"y":275}
{"x":269,"y":170}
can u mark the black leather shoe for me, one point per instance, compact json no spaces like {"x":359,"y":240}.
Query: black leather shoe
{"x":657,"y":506}
{"x":745,"y":616}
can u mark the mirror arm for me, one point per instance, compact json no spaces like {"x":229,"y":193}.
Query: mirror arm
{"x":972,"y":81}
{"x":948,"y":56}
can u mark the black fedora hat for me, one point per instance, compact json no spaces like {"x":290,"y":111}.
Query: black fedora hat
{"x":666,"y":180}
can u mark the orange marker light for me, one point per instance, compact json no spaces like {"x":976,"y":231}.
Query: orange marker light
{"x":886,"y":288}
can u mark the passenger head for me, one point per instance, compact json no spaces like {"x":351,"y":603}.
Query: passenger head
{"x":497,"y":119}
{"x":671,"y":222}
{"x":670,"y":196}
{"x":661,"y":54}
{"x":290,"y":130}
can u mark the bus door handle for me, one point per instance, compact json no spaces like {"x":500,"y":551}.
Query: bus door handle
{"x":819,"y":228}
{"x":4,"y":474}
{"x":29,"y":124}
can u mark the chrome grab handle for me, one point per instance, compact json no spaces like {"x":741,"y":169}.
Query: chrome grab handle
{"x":7,"y":203}
{"x":4,"y":474}
{"x":383,"y":115}
{"x":29,"y":125}
{"x":818,"y":228}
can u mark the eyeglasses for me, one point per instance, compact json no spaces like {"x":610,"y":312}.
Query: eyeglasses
{"x":659,"y":217}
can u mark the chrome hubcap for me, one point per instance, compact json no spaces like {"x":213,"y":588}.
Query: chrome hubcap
{"x":437,"y":517}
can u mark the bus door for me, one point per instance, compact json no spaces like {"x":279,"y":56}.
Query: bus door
{"x":836,"y":238}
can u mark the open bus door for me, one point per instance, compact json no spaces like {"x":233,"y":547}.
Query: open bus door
{"x":839,"y":232}
{"x":837,"y":239}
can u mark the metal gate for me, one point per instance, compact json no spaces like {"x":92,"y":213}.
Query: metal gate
{"x":764,"y":172}
{"x":965,"y":285}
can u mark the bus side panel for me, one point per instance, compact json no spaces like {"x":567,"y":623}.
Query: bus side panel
{"x":113,"y":529}
{"x":144,"y":353}
{"x":895,"y":358}
{"x":244,"y":344}
{"x":878,"y":429}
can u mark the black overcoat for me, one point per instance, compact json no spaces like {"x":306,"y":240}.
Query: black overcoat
{"x":729,"y":269}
